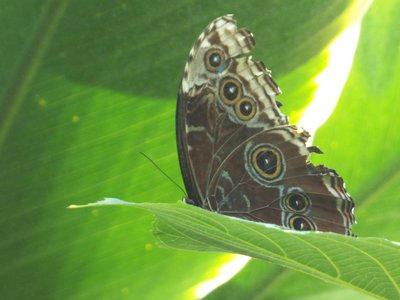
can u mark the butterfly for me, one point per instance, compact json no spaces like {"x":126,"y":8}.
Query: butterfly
{"x":238,"y":154}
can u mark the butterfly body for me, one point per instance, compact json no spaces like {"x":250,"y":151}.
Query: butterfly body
{"x":238,"y":153}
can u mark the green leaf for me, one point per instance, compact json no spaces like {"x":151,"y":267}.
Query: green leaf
{"x":368,"y":265}
{"x":87,"y":85}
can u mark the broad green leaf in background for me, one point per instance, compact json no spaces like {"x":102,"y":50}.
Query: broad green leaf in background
{"x":87,"y":85}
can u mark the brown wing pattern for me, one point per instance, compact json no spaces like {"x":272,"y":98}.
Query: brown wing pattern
{"x":239,"y":156}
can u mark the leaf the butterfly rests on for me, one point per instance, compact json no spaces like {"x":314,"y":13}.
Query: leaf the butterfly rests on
{"x":238,"y":153}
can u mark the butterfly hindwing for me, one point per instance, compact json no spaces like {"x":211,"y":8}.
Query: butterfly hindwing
{"x":267,"y":178}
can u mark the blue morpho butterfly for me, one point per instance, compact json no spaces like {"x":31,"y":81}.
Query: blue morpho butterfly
{"x":238,"y":153}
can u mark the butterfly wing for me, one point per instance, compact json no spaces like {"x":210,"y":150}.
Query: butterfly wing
{"x":203,"y":125}
{"x":267,"y":178}
{"x":226,"y":104}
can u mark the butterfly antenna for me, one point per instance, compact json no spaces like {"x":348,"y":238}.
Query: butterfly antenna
{"x":165,"y":174}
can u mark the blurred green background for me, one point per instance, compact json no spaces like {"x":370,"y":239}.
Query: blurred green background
{"x":87,"y":85}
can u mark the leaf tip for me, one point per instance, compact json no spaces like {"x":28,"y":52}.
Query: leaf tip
{"x":106,"y":201}
{"x":74,"y":206}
